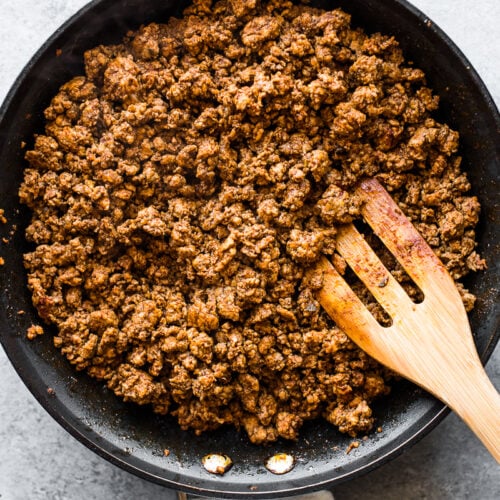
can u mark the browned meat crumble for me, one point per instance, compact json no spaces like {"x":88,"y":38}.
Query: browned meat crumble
{"x":188,"y":180}
{"x":34,"y":331}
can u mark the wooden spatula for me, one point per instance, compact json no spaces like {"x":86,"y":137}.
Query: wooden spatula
{"x":429,"y":343}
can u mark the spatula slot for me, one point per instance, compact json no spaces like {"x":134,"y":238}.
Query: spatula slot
{"x":367,"y":298}
{"x":352,"y":246}
{"x":390,"y":262}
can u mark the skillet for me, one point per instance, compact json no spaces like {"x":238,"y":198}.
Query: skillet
{"x":134,"y":438}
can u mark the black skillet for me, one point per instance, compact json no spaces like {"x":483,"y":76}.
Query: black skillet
{"x":132,"y":437}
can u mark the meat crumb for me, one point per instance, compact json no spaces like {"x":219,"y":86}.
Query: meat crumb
{"x":34,"y":331}
{"x":188,"y":179}
{"x":352,"y":446}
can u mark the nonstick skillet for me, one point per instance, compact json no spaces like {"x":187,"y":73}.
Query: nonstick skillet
{"x":133,"y":437}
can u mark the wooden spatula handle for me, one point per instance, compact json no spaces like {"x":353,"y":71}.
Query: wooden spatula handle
{"x":477,"y":402}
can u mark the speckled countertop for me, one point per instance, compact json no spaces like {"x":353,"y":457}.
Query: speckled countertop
{"x":39,"y":460}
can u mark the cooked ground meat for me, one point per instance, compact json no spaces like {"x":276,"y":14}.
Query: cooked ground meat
{"x":188,"y":180}
{"x":34,"y":331}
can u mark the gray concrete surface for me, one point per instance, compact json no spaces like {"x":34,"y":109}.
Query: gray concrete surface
{"x":39,"y":460}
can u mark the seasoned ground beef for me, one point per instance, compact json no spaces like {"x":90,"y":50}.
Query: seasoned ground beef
{"x":186,"y":183}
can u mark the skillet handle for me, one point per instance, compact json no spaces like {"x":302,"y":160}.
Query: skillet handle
{"x":317,"y":495}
